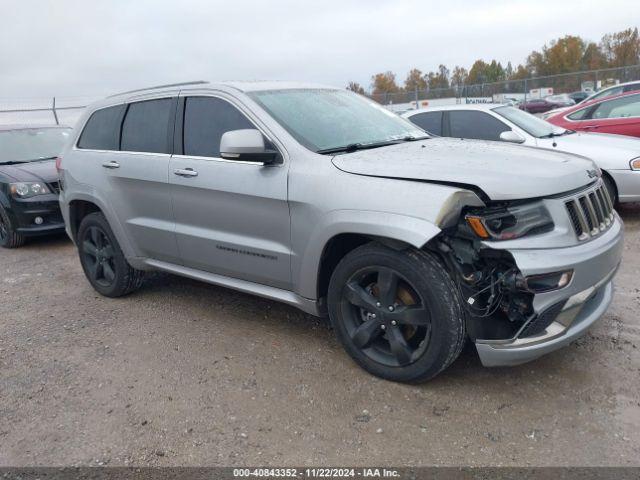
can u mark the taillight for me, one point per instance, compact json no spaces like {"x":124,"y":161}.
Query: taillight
{"x":58,"y":163}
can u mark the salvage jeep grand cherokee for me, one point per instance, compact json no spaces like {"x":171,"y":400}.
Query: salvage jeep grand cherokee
{"x":322,"y":199}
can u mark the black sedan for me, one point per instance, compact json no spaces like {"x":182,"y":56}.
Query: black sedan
{"x":29,"y":182}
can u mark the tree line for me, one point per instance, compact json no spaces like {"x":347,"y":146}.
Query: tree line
{"x":564,"y":55}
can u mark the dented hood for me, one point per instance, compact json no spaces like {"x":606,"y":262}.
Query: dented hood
{"x":501,"y":171}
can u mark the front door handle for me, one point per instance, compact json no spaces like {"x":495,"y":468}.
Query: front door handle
{"x":591,"y":127}
{"x":111,"y":164}
{"x":186,"y":172}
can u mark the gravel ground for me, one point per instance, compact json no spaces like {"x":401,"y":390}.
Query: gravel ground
{"x":183,"y":373}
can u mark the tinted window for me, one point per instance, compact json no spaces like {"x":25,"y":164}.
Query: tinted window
{"x":430,"y":121}
{"x":102,"y":130}
{"x":146,"y":126}
{"x":579,"y":114}
{"x":631,"y":88}
{"x":206,"y":119}
{"x":478,"y":125}
{"x":628,"y":106}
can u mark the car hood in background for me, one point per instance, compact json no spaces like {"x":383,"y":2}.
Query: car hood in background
{"x":44,"y":170}
{"x":607,"y":150}
{"x":502,"y":172}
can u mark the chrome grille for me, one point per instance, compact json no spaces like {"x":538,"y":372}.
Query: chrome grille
{"x":591,"y":212}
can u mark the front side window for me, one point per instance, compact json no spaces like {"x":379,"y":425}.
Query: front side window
{"x":325,"y":119}
{"x":580,"y":114}
{"x":476,"y":125}
{"x":206,"y":119}
{"x":627,"y":106}
{"x":31,"y":144}
{"x":102,"y":130}
{"x":529,"y":123}
{"x":430,"y":122}
{"x":146,"y":126}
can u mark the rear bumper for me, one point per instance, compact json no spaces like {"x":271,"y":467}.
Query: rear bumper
{"x":580,"y":304}
{"x":628,"y":184}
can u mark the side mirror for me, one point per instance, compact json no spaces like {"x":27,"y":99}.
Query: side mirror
{"x":246,"y":146}
{"x":511,"y":137}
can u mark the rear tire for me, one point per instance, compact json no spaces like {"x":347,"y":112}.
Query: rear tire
{"x":102,"y":259}
{"x":397,"y":313}
{"x":9,"y":238}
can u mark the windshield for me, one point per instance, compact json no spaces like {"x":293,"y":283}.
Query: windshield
{"x":529,"y":123}
{"x":32,"y":144}
{"x":328,"y":119}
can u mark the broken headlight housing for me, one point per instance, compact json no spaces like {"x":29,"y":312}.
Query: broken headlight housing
{"x":510,"y":222}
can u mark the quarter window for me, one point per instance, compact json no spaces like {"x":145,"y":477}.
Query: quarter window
{"x":206,"y":119}
{"x":102,"y":130}
{"x":429,"y":121}
{"x":476,"y":125}
{"x":146,"y":126}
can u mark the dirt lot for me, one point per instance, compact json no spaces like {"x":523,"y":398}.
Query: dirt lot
{"x":183,"y":373}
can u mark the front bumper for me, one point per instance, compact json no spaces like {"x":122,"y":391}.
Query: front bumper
{"x":582,"y":302}
{"x":25,"y":211}
{"x":628,"y":184}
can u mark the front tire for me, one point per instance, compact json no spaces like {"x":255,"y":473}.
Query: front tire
{"x":102,"y":259}
{"x":9,"y":238}
{"x":397,"y":313}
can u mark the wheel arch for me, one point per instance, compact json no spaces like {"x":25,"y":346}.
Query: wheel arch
{"x":348,"y":230}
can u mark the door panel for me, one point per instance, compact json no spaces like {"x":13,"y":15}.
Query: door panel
{"x":139,"y":193}
{"x":232,"y":218}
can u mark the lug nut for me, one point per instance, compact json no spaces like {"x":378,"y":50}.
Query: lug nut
{"x":373,"y":315}
{"x":378,"y":304}
{"x":393,"y":322}
{"x":391,"y":309}
{"x":383,"y":327}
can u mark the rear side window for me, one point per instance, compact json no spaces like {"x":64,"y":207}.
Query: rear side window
{"x":146,"y":126}
{"x":102,"y":130}
{"x":206,"y":119}
{"x":429,"y":121}
{"x":477,"y":125}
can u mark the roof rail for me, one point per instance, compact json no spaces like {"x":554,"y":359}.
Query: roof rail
{"x":196,"y":82}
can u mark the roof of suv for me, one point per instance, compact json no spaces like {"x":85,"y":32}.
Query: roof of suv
{"x":243,"y":86}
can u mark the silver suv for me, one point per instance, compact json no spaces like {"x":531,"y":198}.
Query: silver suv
{"x":323,"y":199}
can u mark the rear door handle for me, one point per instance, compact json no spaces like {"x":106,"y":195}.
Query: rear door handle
{"x":186,"y":172}
{"x":111,"y":164}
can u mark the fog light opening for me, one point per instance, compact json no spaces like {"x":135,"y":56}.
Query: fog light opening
{"x":38,"y":220}
{"x":549,"y":281}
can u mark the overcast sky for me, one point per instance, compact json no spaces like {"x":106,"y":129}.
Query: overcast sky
{"x":94,"y":47}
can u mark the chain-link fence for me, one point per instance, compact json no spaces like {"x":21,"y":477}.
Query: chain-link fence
{"x":67,"y":110}
{"x":43,"y":111}
{"x":588,"y":81}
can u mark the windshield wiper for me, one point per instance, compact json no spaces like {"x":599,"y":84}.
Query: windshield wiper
{"x":14,"y":162}
{"x":352,"y":147}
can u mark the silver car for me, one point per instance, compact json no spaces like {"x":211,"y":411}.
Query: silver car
{"x":322,"y":199}
{"x":617,"y":155}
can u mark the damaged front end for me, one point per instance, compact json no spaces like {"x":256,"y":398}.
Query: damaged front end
{"x":497,"y":296}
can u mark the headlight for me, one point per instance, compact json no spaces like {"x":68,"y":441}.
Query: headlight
{"x":28,"y":189}
{"x":635,"y":164}
{"x":510,"y":222}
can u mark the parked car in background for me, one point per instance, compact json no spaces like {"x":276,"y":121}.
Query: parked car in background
{"x":618,"y":156}
{"x":577,"y":97}
{"x":614,"y":90}
{"x":604,"y":93}
{"x":411,"y":244}
{"x":29,"y":182}
{"x":618,"y":114}
{"x":541,"y":105}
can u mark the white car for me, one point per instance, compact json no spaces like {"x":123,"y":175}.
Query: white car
{"x":617,"y":155}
